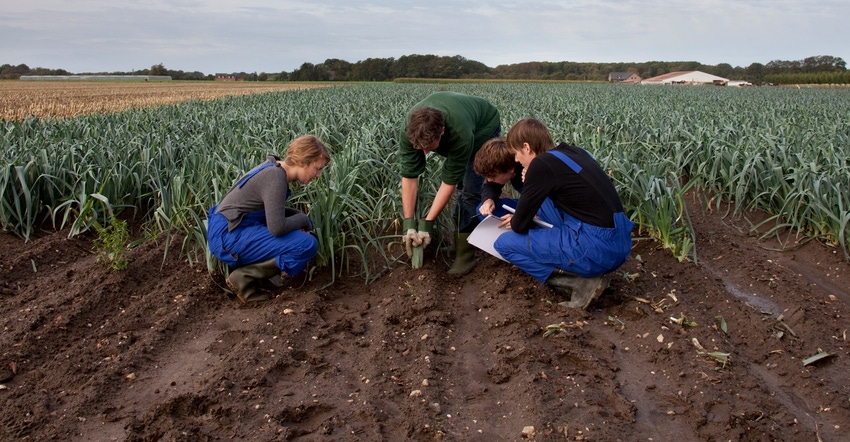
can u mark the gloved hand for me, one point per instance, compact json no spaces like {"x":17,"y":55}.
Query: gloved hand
{"x":411,"y":236}
{"x":425,"y":228}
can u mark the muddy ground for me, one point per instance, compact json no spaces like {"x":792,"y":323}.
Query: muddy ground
{"x":158,"y":352}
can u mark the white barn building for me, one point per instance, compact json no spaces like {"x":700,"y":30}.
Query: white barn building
{"x":687,"y":77}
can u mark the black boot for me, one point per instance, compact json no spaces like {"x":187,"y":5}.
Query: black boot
{"x":243,"y":281}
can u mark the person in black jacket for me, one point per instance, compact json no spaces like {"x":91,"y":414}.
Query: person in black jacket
{"x":565,"y":187}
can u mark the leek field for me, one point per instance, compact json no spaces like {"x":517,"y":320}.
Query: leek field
{"x":727,"y":322}
{"x":780,"y":151}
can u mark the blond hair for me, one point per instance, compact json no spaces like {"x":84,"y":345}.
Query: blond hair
{"x":306,"y":150}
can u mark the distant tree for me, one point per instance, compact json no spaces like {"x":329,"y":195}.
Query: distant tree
{"x":414,"y":66}
{"x":723,"y":70}
{"x":823,"y":63}
{"x":337,"y":70}
{"x":433,"y":66}
{"x":309,"y":72}
{"x":780,"y":66}
{"x":158,"y":69}
{"x":45,"y":71}
{"x":471,"y":68}
{"x":754,"y":73}
{"x":8,"y":71}
{"x":372,"y":69}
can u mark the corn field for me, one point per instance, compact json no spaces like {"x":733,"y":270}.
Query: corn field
{"x":777,"y":150}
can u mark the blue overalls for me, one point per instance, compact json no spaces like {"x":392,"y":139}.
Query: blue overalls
{"x":571,"y":245}
{"x":251,"y":241}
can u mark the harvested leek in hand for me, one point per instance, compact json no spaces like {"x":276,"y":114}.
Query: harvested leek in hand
{"x":418,"y":257}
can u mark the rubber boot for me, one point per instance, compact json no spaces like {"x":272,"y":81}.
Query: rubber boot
{"x":583,"y":290}
{"x":464,"y":255}
{"x":243,"y":281}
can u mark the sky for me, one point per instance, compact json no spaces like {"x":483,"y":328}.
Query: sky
{"x":218,"y":36}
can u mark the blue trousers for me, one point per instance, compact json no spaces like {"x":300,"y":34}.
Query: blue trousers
{"x":251,"y":242}
{"x":571,"y":245}
{"x":469,"y":199}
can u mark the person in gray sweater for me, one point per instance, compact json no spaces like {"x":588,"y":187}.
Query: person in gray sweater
{"x":254,"y":232}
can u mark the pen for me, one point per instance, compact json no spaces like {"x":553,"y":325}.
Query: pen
{"x":536,"y":221}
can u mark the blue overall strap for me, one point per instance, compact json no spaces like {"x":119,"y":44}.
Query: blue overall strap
{"x":591,"y":179}
{"x":569,"y":161}
{"x":253,"y":172}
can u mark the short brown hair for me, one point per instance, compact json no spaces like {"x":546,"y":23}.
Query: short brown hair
{"x":494,"y":158}
{"x":424,"y":127}
{"x":533,"y":132}
{"x":306,"y":150}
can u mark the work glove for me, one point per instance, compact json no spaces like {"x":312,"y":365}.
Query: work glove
{"x":411,"y":236}
{"x":425,"y":228}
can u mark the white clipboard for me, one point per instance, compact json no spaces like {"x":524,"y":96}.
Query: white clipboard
{"x":485,"y":234}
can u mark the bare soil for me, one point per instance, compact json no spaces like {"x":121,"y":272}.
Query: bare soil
{"x":158,"y":352}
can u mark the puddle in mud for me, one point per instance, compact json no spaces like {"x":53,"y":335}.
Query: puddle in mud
{"x":758,"y":303}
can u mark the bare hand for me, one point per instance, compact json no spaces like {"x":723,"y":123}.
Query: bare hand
{"x":487,"y":207}
{"x":506,"y":221}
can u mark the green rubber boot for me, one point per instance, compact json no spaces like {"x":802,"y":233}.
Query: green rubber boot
{"x":583,"y":290}
{"x":464,"y":255}
{"x":243,"y":281}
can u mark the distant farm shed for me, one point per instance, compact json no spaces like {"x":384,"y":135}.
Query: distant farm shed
{"x":687,"y":77}
{"x":228,"y":77}
{"x":624,"y":77}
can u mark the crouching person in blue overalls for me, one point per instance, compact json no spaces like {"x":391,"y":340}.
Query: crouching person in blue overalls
{"x":565,"y":187}
{"x":254,"y":232}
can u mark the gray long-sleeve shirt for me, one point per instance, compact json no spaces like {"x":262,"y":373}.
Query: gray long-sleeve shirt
{"x":264,"y":191}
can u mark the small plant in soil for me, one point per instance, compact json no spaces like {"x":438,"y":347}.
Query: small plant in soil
{"x":110,"y":244}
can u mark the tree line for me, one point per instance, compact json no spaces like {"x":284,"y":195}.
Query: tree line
{"x":821,"y":69}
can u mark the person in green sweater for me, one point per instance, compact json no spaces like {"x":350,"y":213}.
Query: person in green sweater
{"x":452,"y":125}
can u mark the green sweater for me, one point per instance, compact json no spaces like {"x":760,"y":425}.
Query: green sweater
{"x":470,"y":121}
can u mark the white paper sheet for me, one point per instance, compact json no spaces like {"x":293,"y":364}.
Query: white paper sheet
{"x":484,"y":236}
